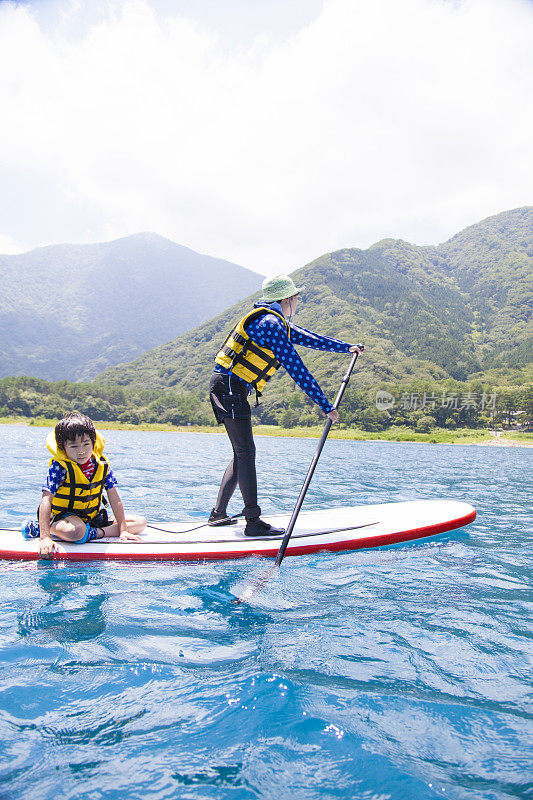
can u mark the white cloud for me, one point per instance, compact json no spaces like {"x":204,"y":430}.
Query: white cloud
{"x":379,"y":118}
{"x":9,"y":246}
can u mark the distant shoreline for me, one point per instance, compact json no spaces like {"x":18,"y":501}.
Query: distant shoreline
{"x":480,"y":437}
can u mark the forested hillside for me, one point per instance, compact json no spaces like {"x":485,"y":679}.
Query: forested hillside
{"x":447,"y":330}
{"x":430,"y":313}
{"x":492,"y":263}
{"x":69,"y":311}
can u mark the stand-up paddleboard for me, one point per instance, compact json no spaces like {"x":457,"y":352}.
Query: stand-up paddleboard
{"x":329,"y":529}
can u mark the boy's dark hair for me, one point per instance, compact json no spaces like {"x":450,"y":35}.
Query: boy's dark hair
{"x":73,"y":425}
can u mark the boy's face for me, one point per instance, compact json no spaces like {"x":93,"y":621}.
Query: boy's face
{"x":79,"y":449}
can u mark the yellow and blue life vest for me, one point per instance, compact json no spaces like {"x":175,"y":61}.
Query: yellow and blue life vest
{"x":245,"y":358}
{"x":78,"y":494}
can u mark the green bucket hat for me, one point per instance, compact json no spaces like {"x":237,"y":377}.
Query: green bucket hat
{"x":279,"y":288}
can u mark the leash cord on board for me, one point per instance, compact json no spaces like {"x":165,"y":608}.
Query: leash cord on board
{"x":165,"y":530}
{"x":197,"y":528}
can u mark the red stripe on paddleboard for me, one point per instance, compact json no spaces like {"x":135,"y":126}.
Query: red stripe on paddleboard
{"x":389,"y":538}
{"x":297,"y":550}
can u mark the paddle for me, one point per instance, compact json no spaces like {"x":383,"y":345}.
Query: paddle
{"x":251,"y":590}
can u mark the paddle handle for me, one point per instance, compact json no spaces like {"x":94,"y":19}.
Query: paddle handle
{"x":314,"y":462}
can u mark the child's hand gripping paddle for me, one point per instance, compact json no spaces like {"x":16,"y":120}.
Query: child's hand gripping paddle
{"x":253,"y":588}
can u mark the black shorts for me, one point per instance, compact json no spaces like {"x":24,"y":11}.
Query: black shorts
{"x":229,"y":397}
{"x":100,"y":521}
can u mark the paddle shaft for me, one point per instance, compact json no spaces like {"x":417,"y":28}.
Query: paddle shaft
{"x":314,"y":462}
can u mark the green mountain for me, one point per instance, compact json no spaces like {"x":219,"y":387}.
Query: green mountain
{"x":69,"y":311}
{"x":451,"y":311}
{"x":492,"y":263}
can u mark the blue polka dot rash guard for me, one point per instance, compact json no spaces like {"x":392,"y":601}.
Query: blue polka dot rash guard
{"x":269,"y":331}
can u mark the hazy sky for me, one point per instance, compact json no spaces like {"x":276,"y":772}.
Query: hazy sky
{"x":266,"y":132}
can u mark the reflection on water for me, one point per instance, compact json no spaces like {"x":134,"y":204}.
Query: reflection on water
{"x":69,"y":615}
{"x":394,"y":674}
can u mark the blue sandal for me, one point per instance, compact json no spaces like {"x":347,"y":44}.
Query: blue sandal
{"x":30,"y":529}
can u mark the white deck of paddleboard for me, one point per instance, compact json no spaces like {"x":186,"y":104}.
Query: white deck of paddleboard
{"x":333,"y":529}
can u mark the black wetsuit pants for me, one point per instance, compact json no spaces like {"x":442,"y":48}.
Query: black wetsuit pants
{"x":229,"y":398}
{"x":241,"y":469}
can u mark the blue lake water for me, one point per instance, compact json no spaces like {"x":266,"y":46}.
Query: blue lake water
{"x":400,"y":673}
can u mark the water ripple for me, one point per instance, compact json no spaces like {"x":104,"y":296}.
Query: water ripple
{"x":400,"y":674}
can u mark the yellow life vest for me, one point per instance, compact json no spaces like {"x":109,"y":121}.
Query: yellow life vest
{"x":246,"y":359}
{"x":78,"y":494}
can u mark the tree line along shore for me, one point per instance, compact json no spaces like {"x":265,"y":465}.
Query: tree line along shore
{"x":466,"y":436}
{"x":450,"y":412}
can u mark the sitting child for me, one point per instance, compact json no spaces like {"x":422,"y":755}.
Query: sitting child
{"x":71,"y":506}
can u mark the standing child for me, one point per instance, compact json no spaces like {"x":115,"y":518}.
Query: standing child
{"x":71,"y":506}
